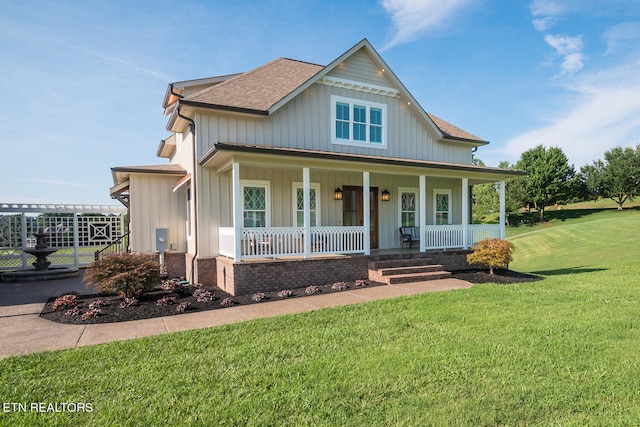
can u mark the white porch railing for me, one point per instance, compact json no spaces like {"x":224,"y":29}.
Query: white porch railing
{"x":477,"y":232}
{"x":225,"y":241}
{"x":271,"y":242}
{"x":444,"y":236}
{"x":337,"y":240}
{"x":452,"y":236}
{"x":289,"y":241}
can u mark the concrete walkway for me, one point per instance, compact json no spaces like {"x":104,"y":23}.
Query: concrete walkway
{"x":23,"y":331}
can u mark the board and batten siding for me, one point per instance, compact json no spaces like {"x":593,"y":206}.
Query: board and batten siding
{"x":157,"y":206}
{"x":360,"y":67}
{"x":305,"y":123}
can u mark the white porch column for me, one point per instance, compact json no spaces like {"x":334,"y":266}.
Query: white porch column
{"x":237,"y":211}
{"x":503,"y":216}
{"x":306,"y":189}
{"x":366,"y":195}
{"x":422,"y":213}
{"x":465,"y":213}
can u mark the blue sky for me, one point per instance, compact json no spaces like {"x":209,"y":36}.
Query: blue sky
{"x":83,"y":81}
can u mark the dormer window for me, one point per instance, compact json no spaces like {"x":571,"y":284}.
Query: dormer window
{"x":357,"y":122}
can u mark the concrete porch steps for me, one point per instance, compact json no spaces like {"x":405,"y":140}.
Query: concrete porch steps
{"x":405,"y":270}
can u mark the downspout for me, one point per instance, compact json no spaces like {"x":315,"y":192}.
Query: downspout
{"x":194,"y":186}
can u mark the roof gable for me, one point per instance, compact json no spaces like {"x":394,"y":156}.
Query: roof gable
{"x":264,"y":90}
{"x":362,"y":67}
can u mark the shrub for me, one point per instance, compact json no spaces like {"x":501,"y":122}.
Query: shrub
{"x":258,"y":296}
{"x":492,"y":253}
{"x":202,"y":295}
{"x":285,"y":293}
{"x":94,"y":312}
{"x":228,"y":302}
{"x":65,"y":301}
{"x":361,"y":283}
{"x":310,"y":290}
{"x":97,"y":304}
{"x":128,"y":302}
{"x":73,"y":312}
{"x":183,"y":306}
{"x":125,"y":274}
{"x":176,"y":285}
{"x":339,"y":286}
{"x":167,"y":299}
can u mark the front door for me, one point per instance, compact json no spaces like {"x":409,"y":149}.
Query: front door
{"x":353,"y":210}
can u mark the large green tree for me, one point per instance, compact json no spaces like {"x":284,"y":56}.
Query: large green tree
{"x":550,"y":177}
{"x":617,"y":177}
{"x":486,"y":197}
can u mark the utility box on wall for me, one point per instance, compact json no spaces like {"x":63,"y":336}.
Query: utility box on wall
{"x":162,"y":239}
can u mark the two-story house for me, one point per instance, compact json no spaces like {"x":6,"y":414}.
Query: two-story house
{"x":296,"y":173}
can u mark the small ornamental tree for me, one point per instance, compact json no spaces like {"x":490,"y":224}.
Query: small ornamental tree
{"x":492,"y":253}
{"x":125,"y":274}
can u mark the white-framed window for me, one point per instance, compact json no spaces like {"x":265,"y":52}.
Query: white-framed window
{"x":298,"y":204}
{"x":408,"y":207}
{"x":256,"y":197}
{"x":442,"y":207}
{"x":358,"y":122}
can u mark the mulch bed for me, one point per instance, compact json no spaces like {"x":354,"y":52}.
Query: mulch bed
{"x":148,"y":307}
{"x":500,"y":276}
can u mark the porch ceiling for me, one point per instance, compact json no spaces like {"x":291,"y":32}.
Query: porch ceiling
{"x":222,"y":154}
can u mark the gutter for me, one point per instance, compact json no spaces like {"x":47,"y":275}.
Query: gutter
{"x":225,"y":108}
{"x":194,"y":192}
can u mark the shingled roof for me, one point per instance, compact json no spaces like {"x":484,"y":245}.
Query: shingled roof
{"x":452,"y":131}
{"x":260,"y":88}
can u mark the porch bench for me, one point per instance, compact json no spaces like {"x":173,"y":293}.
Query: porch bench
{"x":410,"y":235}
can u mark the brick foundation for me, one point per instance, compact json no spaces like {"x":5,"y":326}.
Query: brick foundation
{"x":204,"y":270}
{"x":274,"y":275}
{"x":248,"y":277}
{"x":174,"y":264}
{"x":452,"y":260}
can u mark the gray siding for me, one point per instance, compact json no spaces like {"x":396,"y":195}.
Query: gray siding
{"x":360,"y":67}
{"x":155,"y":205}
{"x":305,"y":122}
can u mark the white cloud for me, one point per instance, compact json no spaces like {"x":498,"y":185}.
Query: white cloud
{"x":542,"y":24}
{"x":623,"y":37}
{"x":413,"y":18}
{"x":546,"y":8}
{"x":606,"y":114}
{"x":570,"y":49}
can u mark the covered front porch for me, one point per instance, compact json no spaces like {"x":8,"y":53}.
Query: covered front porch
{"x":319,"y":207}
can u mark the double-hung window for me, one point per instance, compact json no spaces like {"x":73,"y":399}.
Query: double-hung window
{"x":442,"y":207}
{"x":314,"y":204}
{"x":255,"y":203}
{"x":408,"y":207}
{"x":358,"y":122}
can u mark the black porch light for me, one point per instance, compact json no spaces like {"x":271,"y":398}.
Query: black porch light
{"x":386,"y":196}
{"x":337,"y":194}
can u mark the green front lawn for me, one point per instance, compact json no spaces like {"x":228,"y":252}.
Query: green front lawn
{"x":563,"y":351}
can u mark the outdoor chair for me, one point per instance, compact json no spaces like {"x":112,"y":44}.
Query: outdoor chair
{"x":410,"y":235}
{"x":260,"y":244}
